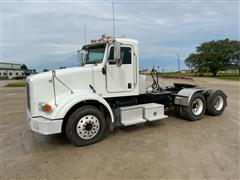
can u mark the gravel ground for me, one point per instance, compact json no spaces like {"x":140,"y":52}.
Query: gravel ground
{"x":168,"y":149}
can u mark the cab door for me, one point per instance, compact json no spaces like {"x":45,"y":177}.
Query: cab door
{"x":120,"y":78}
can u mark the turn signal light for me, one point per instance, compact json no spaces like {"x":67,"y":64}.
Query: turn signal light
{"x":46,"y":107}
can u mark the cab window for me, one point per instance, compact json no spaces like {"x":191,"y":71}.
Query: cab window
{"x":126,"y":55}
{"x":95,"y":54}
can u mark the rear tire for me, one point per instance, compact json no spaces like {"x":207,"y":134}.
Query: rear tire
{"x":196,"y":108}
{"x":86,"y":126}
{"x":216,"y":103}
{"x":179,"y":111}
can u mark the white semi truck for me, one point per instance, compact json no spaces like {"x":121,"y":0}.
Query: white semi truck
{"x":106,"y":91}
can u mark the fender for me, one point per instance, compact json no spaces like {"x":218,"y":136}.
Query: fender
{"x":183,"y":97}
{"x":65,"y":102}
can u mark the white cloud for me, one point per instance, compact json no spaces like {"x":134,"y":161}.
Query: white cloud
{"x":32,"y":31}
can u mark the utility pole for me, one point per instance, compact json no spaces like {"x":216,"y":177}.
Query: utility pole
{"x":85,"y":33}
{"x":179,"y":69}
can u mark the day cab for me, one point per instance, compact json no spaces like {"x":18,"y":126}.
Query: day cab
{"x":106,"y":91}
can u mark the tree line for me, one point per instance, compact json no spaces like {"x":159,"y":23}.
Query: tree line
{"x":214,"y":56}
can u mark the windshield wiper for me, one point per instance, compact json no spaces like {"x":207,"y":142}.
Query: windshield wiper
{"x":93,"y":62}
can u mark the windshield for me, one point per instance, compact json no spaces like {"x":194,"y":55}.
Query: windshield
{"x":95,"y":54}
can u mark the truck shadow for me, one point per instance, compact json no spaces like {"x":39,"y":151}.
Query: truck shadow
{"x":55,"y":139}
{"x":61,"y":139}
{"x":139,"y":127}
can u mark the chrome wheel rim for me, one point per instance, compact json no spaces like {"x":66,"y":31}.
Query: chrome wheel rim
{"x":219,"y":103}
{"x":88,"y":126}
{"x":197,"y":106}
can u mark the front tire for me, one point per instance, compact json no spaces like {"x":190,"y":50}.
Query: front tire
{"x":85,"y":126}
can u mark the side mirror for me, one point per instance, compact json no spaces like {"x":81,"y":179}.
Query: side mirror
{"x":117,"y":51}
{"x":117,"y":54}
{"x":81,"y":56}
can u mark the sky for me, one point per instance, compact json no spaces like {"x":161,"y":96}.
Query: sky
{"x":47,"y":34}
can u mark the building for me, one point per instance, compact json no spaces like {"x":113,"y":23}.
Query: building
{"x":13,"y":71}
{"x":185,"y":71}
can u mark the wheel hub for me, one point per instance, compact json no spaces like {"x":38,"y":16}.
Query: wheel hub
{"x":219,"y":103}
{"x":88,"y":126}
{"x":197,"y":106}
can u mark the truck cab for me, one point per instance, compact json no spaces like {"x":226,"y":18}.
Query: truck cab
{"x":53,"y":95}
{"x":104,"y":92}
{"x":116,"y":76}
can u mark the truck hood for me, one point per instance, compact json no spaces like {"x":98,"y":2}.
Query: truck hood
{"x":41,"y":86}
{"x":62,"y":72}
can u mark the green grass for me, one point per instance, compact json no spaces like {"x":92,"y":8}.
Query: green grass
{"x":229,"y":77}
{"x":16,"y":84}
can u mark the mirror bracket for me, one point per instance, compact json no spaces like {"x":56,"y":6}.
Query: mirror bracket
{"x":104,"y":70}
{"x":119,"y":62}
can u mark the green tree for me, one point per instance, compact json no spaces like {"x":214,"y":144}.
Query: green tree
{"x":45,"y":70}
{"x":235,"y":61}
{"x":24,"y":67}
{"x":214,"y":56}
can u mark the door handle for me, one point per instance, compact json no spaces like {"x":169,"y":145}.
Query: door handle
{"x":129,"y":85}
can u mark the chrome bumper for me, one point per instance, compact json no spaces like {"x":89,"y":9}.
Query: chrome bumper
{"x":43,"y":125}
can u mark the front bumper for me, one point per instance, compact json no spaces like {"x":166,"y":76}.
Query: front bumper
{"x":43,"y":125}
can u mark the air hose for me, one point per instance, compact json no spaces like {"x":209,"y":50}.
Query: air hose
{"x":155,"y":85}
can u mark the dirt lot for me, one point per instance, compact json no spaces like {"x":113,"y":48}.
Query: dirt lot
{"x":171,"y":148}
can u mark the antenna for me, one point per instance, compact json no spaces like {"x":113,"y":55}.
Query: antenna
{"x":85,"y":33}
{"x":113,"y":20}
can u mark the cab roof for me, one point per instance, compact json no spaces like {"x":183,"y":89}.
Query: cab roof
{"x":127,"y":41}
{"x":110,"y":39}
